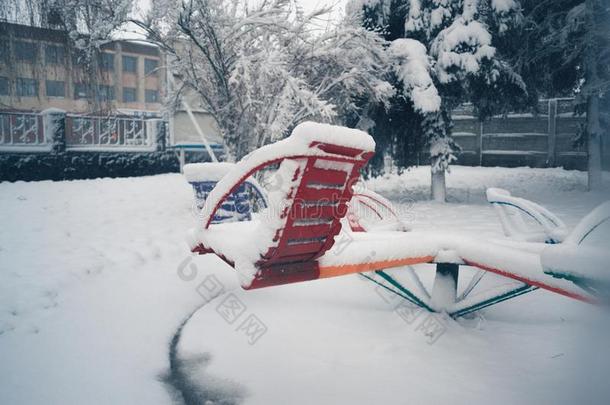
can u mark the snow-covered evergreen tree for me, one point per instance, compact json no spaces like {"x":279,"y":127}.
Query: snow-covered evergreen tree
{"x":446,"y":52}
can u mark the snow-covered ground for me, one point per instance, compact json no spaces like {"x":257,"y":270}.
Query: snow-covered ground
{"x":95,"y":277}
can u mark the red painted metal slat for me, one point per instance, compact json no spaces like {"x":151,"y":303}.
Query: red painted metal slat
{"x":290,"y":259}
{"x":312,"y":231}
{"x":324,"y":176}
{"x":285,"y":274}
{"x":321,"y":195}
{"x":293,"y":250}
{"x":338,"y":149}
{"x":307,"y":212}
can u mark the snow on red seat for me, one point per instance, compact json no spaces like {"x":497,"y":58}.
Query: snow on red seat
{"x":318,"y":165}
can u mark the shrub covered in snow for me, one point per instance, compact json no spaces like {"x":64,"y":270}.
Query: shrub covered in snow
{"x":84,"y":165}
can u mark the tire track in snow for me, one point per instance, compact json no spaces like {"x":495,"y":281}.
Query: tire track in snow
{"x":214,"y":391}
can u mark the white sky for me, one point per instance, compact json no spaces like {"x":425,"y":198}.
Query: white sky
{"x":338,"y":6}
{"x":308,"y":5}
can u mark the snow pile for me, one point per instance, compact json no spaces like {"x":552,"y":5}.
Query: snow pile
{"x":89,"y":288}
{"x":412,"y":66}
{"x":503,"y":6}
{"x":414,"y":21}
{"x":505,"y":11}
{"x":381,"y":246}
{"x":584,"y":231}
{"x":333,"y":134}
{"x":585,"y":252}
{"x":577,"y":261}
{"x":439,"y":13}
{"x":95,"y":279}
{"x":470,"y":183}
{"x":463,"y":46}
{"x":442,"y":152}
{"x":469,"y":10}
{"x":209,"y":171}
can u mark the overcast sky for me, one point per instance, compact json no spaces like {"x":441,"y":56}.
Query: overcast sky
{"x":308,"y":5}
{"x":131,"y":32}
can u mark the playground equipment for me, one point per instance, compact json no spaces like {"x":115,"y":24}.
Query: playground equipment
{"x":514,"y":212}
{"x":298,"y":236}
{"x":369,"y":212}
{"x":579,"y":256}
{"x":203,"y":177}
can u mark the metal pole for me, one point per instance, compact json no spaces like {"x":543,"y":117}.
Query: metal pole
{"x":444,"y":290}
{"x":208,"y":148}
{"x":187,"y":107}
{"x":182,"y":160}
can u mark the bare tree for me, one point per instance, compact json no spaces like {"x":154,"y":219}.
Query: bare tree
{"x":261,"y":68}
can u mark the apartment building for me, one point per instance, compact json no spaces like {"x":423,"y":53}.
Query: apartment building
{"x":39,"y":70}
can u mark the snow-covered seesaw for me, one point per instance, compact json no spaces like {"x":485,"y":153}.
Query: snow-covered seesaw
{"x":314,"y":227}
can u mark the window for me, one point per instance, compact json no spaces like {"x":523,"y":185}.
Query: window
{"x":27,"y":87}
{"x":105,"y":93}
{"x":4,"y":51}
{"x":129,"y":94}
{"x":150,"y":66}
{"x":3,"y":86}
{"x":107,"y":61}
{"x":56,"y":88}
{"x":151,"y":96}
{"x":54,"y":54}
{"x":80,"y":91}
{"x":26,"y":51}
{"x":130,"y":64}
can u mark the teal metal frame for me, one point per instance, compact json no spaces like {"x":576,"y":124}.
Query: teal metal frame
{"x":452,"y":270}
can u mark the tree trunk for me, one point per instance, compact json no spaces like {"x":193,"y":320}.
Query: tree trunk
{"x":439,"y":191}
{"x":594,"y":134}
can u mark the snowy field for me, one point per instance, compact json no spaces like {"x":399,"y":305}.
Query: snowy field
{"x":95,"y":278}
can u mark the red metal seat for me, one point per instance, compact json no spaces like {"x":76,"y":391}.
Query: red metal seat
{"x":317,"y":175}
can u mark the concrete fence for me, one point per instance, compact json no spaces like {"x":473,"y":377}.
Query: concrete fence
{"x":543,"y":140}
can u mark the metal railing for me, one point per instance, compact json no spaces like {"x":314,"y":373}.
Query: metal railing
{"x":103,"y":133}
{"x":21,"y":130}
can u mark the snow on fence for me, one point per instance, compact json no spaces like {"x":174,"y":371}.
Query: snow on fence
{"x":108,"y":133}
{"x":27,"y":132}
{"x":542,"y":140}
{"x":22,"y":132}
